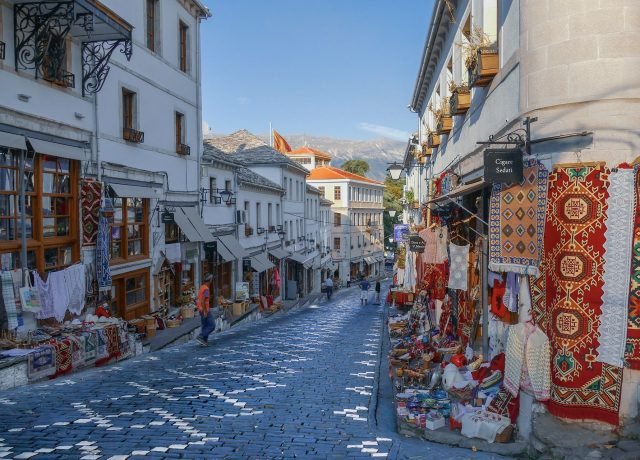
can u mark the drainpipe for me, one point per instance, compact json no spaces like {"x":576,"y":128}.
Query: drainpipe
{"x":198,"y":271}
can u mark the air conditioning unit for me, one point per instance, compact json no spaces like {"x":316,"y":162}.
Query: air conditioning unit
{"x":241,"y":217}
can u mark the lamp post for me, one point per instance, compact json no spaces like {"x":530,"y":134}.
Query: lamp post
{"x":392,"y":213}
{"x":395,"y":170}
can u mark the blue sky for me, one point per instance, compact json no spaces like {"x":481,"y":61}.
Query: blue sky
{"x":341,"y":68}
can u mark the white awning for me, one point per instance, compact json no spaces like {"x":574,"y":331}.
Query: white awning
{"x":13,"y":141}
{"x":135,"y":191}
{"x":260,"y":263}
{"x":279,"y":253}
{"x":303,"y":259}
{"x":369,"y":260}
{"x":229,"y":246}
{"x":58,"y":150}
{"x":192,"y":225}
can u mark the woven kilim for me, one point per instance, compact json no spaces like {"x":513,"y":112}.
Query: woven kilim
{"x":90,"y":339}
{"x":63,"y":351}
{"x":516,"y":222}
{"x":505,"y":404}
{"x":90,"y":193}
{"x":581,"y":388}
{"x":434,"y":280}
{"x":42,"y":362}
{"x":632,"y":349}
{"x":617,"y":268}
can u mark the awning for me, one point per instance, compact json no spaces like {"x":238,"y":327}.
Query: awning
{"x":58,"y":150}
{"x":309,"y":263}
{"x":192,"y":225}
{"x":279,"y":253}
{"x":13,"y":141}
{"x":230,"y":249}
{"x":260,"y":263}
{"x":460,"y":191}
{"x":135,"y":191}
{"x":316,"y":264}
{"x":370,"y":260}
{"x":305,"y":259}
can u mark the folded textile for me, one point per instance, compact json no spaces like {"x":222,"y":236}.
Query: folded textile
{"x":483,"y":424}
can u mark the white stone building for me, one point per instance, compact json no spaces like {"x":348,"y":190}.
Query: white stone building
{"x":572,"y":66}
{"x":357,"y":235}
{"x":107,"y":93}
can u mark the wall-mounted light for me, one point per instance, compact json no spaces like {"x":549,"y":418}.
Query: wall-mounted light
{"x":395,"y":170}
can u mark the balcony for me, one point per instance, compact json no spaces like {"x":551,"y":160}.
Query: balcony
{"x":41,"y":30}
{"x":132,"y":135}
{"x":183,"y":149}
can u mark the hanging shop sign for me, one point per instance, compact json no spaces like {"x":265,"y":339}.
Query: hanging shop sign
{"x":246,"y":265}
{"x":242,"y":291}
{"x":503,"y":166}
{"x":400,"y":232}
{"x":167,"y":217}
{"x":416,"y":244}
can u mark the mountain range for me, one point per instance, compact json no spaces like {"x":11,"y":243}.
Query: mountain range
{"x":377,"y":152}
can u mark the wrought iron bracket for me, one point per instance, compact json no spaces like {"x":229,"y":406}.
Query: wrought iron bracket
{"x":520,"y":137}
{"x":95,"y":62}
{"x":2,"y":50}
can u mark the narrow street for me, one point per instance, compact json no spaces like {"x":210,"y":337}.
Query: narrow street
{"x":300,"y":384}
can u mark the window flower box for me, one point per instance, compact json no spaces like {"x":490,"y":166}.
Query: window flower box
{"x":485,"y":67}
{"x":433,"y":140}
{"x":445,"y":124}
{"x":460,"y":100}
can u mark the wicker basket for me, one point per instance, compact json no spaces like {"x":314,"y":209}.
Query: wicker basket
{"x":173,"y":322}
{"x":187,"y":312}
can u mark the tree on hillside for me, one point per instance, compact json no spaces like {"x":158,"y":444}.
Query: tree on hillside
{"x":359,"y":167}
{"x":391,"y":200}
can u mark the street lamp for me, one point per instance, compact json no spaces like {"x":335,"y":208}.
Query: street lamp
{"x":395,"y":170}
{"x":392,"y":213}
{"x":390,"y":239}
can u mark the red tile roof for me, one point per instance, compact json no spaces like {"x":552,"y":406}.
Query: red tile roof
{"x":309,"y":151}
{"x":330,"y":172}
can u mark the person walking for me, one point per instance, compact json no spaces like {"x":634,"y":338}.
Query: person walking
{"x":328,"y":283}
{"x":378,"y":292}
{"x":364,"y":292}
{"x":203,"y":303}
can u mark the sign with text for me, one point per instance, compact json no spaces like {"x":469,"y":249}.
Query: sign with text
{"x":242,"y":291}
{"x":416,"y":243}
{"x":400,"y":232}
{"x":167,"y":217}
{"x":503,"y":166}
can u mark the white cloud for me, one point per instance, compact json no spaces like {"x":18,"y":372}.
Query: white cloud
{"x":384,"y":131}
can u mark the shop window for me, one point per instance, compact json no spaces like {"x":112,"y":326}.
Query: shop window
{"x":130,"y":294}
{"x":129,"y":229}
{"x":50,"y":213}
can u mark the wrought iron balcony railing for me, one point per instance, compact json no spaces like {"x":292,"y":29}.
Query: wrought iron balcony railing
{"x":132,"y":135}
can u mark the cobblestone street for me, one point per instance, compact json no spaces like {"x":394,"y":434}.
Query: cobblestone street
{"x":299,"y":384}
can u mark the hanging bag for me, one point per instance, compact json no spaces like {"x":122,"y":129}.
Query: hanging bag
{"x":30,"y":297}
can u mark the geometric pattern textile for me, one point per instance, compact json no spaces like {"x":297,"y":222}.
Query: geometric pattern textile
{"x":617,"y":268}
{"x":632,"y":349}
{"x":103,"y":270}
{"x":434,"y":280}
{"x":581,"y":387}
{"x":516,"y":222}
{"x":63,"y":351}
{"x":459,"y":269}
{"x":90,"y":193}
{"x":42,"y":362}
{"x":505,"y":404}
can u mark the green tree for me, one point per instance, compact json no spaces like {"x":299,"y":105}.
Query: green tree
{"x":391,"y":200}
{"x":359,"y":167}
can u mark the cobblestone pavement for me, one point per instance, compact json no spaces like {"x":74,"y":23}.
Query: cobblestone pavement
{"x":298,"y":384}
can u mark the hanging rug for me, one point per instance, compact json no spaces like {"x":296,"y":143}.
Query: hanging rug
{"x":582,"y":388}
{"x":516,"y":222}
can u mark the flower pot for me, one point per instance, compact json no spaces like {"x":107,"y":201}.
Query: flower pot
{"x":433,"y":140}
{"x":445,"y":124}
{"x":460,"y":102}
{"x":486,"y":67}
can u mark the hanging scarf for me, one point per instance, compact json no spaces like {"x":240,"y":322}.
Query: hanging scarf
{"x":102,"y":256}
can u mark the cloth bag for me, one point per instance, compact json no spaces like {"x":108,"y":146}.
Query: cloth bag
{"x":30,"y":297}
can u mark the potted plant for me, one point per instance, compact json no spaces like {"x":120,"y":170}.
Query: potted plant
{"x":433,"y":139}
{"x":481,"y":58}
{"x":460,"y":100}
